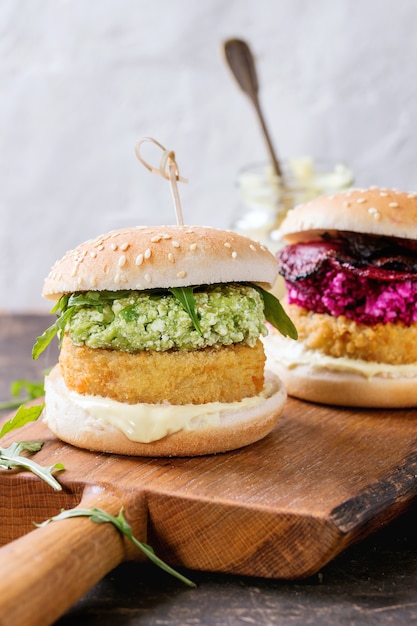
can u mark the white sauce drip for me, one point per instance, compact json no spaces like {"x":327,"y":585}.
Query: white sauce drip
{"x":292,"y":354}
{"x":149,"y":422}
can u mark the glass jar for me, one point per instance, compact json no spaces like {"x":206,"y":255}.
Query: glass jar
{"x":265,"y":198}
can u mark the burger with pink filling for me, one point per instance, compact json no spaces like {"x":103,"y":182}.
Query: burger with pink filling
{"x":350,"y":269}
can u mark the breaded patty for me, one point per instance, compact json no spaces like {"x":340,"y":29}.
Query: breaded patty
{"x":224,"y":374}
{"x":340,"y":336}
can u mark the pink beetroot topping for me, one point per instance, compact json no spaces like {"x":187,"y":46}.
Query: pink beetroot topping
{"x":364,"y":300}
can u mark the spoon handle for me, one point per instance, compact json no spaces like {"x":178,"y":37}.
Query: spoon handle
{"x":269,"y":145}
{"x":242,"y":64}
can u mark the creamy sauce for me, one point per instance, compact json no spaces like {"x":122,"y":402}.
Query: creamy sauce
{"x":293,"y":354}
{"x":150,"y":422}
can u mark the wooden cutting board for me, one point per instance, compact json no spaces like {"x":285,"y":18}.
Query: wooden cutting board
{"x":281,"y":508}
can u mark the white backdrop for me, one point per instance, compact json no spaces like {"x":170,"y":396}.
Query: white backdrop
{"x":82,"y":80}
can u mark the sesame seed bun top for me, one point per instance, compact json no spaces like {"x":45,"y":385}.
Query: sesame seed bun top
{"x":374,"y":211}
{"x":147,"y":257}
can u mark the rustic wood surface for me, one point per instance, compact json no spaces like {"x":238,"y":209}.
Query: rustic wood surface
{"x":282,"y":509}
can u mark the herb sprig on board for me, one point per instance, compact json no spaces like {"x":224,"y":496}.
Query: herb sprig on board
{"x":12,"y":457}
{"x":101,"y":516}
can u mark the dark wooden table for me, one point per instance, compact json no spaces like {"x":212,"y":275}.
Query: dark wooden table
{"x":372,"y":583}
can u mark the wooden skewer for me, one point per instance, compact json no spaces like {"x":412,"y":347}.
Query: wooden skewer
{"x":168,"y":169}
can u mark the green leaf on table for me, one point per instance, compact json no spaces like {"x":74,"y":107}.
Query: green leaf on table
{"x":11,"y":458}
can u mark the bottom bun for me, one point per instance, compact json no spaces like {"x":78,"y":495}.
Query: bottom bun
{"x":381,"y":387}
{"x":67,"y":416}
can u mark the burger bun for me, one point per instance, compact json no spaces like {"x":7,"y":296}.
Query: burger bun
{"x":148,"y":257}
{"x":324,"y":385}
{"x":374,"y":211}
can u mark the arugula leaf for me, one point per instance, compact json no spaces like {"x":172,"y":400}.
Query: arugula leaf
{"x":276,"y":315}
{"x":100,"y":516}
{"x":66,"y":307}
{"x":33,"y":390}
{"x":23,"y":416}
{"x":185,"y":295}
{"x":97,"y":299}
{"x":11,"y":458}
{"x":57,"y":328}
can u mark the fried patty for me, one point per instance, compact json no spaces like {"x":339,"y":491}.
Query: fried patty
{"x":223,"y":374}
{"x":341,"y":337}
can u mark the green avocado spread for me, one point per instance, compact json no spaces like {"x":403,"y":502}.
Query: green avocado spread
{"x":227,"y":314}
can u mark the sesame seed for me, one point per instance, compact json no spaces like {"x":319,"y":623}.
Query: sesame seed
{"x":79,"y":280}
{"x":139,"y":259}
{"x":372,"y":210}
{"x":170,"y":257}
{"x":156,"y":239}
{"x":113,"y":246}
{"x":181,"y":274}
{"x":124,"y":246}
{"x":262,"y":247}
{"x":347,"y":203}
{"x":193,"y":247}
{"x":361,"y":200}
{"x":166,"y":236}
{"x":148,"y":278}
{"x":147,"y":253}
{"x":122,"y":261}
{"x":116,"y":279}
{"x":393,"y":204}
{"x":227,"y":244}
{"x":189,"y":230}
{"x":377,"y":216}
{"x":93,"y":254}
{"x":93,"y":281}
{"x":100,"y":247}
{"x":175,"y":244}
{"x":252,"y":247}
{"x":383,"y":194}
{"x":234,"y":254}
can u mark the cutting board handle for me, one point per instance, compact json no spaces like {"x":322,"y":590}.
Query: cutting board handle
{"x":50,"y":568}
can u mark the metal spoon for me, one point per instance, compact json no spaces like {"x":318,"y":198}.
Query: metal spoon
{"x":240,"y":60}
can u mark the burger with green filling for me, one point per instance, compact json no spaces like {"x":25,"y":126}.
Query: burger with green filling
{"x":160,"y":350}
